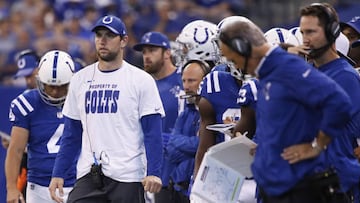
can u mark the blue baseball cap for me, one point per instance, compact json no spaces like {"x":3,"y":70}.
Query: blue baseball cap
{"x":353,"y":23}
{"x":27,"y":61}
{"x":113,"y":23}
{"x":153,"y":39}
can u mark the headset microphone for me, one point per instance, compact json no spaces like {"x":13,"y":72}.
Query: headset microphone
{"x":314,"y":53}
{"x":187,"y":96}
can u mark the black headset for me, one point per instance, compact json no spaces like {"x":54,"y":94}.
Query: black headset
{"x":332,"y":26}
{"x":238,"y":44}
{"x":205,"y":67}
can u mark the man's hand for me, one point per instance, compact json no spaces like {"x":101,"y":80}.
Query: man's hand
{"x":57,"y":183}
{"x":152,"y":184}
{"x":299,"y":152}
{"x":357,"y":153}
{"x":14,"y":196}
{"x":300,"y":50}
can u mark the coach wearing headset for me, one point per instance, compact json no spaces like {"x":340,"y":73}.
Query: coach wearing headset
{"x":299,"y":111}
{"x":319,"y":25}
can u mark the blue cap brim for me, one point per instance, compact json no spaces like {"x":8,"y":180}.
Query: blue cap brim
{"x":107,"y":27}
{"x":139,"y":47}
{"x":24,"y":72}
{"x":350,"y":24}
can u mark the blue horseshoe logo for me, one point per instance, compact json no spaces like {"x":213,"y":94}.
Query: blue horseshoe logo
{"x":107,"y":20}
{"x":205,"y":40}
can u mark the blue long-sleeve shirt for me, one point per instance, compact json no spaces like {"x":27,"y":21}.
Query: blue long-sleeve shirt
{"x":183,"y":144}
{"x":295,"y":102}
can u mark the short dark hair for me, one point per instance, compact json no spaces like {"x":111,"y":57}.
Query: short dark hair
{"x":327,"y":16}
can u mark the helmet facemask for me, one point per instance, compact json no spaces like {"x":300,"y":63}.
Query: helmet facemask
{"x":55,"y":69}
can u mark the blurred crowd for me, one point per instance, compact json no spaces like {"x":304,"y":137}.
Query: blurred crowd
{"x":44,"y":25}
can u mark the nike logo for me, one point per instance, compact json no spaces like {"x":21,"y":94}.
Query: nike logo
{"x":157,"y":109}
{"x":306,"y":73}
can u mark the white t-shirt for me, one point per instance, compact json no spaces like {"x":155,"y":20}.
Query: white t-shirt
{"x":110,"y":105}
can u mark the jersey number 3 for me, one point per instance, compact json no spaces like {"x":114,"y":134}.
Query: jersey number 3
{"x":53,"y":145}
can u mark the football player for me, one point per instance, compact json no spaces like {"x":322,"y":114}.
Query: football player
{"x":226,"y":97}
{"x":38,"y":125}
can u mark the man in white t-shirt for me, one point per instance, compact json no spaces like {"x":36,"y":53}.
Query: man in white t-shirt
{"x":113,"y":114}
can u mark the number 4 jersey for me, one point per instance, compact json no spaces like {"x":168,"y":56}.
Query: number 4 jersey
{"x":45,"y":124}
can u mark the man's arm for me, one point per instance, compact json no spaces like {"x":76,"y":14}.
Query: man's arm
{"x":299,"y":152}
{"x":151,"y":125}
{"x":19,"y":139}
{"x":207,"y":138}
{"x":247,"y":122}
{"x":70,"y":147}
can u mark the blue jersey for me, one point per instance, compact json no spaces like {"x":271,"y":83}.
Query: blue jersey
{"x":346,"y":164}
{"x":169,"y":89}
{"x":221,"y":90}
{"x":45,"y":126}
{"x":295,"y":101}
{"x":221,"y":67}
{"x":248,"y":93}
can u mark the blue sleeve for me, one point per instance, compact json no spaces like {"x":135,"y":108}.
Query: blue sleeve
{"x":182,"y":147}
{"x":151,"y":125}
{"x":322,"y":92}
{"x":184,"y":143}
{"x":248,"y":94}
{"x":70,"y":147}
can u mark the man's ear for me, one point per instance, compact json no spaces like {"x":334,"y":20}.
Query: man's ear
{"x":124,"y":41}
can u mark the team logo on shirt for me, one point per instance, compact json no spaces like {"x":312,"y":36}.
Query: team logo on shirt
{"x":306,"y":73}
{"x":101,"y":101}
{"x":175,"y":90}
{"x":267,"y":90}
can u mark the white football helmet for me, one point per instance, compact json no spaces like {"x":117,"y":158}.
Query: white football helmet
{"x":55,"y":69}
{"x":342,"y":44}
{"x":296,"y":31}
{"x":196,"y":42}
{"x":279,"y":35}
{"x":223,"y":24}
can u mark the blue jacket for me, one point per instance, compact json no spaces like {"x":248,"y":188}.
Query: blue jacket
{"x":295,"y":101}
{"x":182,"y":145}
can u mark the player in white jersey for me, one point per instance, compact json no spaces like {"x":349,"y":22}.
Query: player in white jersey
{"x":38,"y":124}
{"x":113,"y":113}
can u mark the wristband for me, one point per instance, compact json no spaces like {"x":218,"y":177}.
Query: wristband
{"x":316,"y":146}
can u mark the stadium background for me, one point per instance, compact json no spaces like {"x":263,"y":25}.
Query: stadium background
{"x":65,"y":24}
